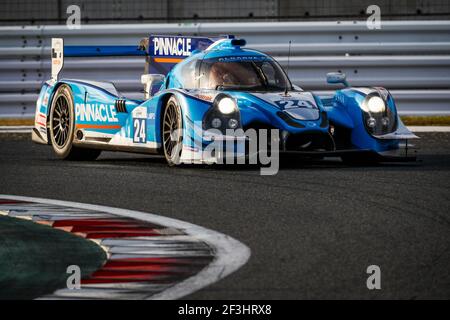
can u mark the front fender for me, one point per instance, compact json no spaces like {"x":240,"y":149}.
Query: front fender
{"x":192,"y":109}
{"x":346,"y":112}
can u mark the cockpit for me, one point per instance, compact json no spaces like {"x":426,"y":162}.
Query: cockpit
{"x":246,"y":73}
{"x":238,"y":73}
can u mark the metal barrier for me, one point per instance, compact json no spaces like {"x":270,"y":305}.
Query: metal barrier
{"x":410,"y":58}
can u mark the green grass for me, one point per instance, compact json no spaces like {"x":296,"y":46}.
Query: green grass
{"x":426,"y":120}
{"x":16,"y":122}
{"x":34,"y":258}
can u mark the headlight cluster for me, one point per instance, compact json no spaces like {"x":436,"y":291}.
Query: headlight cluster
{"x":375,"y":105}
{"x":223,"y":115}
{"x":226,"y":105}
{"x":378,"y":117}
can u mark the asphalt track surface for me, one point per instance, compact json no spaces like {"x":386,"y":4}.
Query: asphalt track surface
{"x":313,"y":228}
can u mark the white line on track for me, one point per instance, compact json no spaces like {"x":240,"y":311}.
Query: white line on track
{"x":229,"y":255}
{"x":15,"y":129}
{"x":429,"y":128}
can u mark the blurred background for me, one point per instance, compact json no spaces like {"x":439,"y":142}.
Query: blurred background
{"x":26,"y":12}
{"x":409,"y":54}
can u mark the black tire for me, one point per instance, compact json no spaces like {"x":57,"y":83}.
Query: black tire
{"x":172,"y":132}
{"x":62,"y":128}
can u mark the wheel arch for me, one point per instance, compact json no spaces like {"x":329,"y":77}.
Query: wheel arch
{"x":163,"y":99}
{"x":78,"y":94}
{"x":52,"y":96}
{"x":68,"y":150}
{"x":49,"y":107}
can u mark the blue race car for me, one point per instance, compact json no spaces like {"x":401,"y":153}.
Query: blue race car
{"x":201,"y":91}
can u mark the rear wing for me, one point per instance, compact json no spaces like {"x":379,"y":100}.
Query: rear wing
{"x":60,"y":51}
{"x":161,"y":52}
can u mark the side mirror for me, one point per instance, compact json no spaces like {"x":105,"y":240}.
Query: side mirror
{"x":148,"y":80}
{"x":337,"y":77}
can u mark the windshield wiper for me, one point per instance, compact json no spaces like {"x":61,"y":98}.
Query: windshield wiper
{"x":260,"y":74}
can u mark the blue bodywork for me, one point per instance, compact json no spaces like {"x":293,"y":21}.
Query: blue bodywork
{"x":136,"y":125}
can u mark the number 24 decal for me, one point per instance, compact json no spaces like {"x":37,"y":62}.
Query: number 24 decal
{"x":291,"y":104}
{"x":140,"y":130}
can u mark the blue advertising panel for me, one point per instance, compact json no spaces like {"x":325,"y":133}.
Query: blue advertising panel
{"x":167,"y":51}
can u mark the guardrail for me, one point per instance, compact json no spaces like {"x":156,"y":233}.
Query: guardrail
{"x":410,"y":58}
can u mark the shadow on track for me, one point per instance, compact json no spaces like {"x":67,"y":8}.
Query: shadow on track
{"x":440,"y":162}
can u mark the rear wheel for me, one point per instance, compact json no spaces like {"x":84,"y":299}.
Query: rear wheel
{"x":62,"y":128}
{"x":172,"y":132}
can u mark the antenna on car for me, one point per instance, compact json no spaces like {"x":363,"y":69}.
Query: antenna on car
{"x":287,"y":69}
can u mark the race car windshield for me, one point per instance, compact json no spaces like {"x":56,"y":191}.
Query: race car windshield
{"x":246,"y":74}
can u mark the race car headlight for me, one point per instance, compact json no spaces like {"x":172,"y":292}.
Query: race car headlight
{"x":216,"y":123}
{"x":226,"y":105}
{"x":224,"y":114}
{"x":233,"y":123}
{"x":379,"y":117}
{"x":375,"y":104}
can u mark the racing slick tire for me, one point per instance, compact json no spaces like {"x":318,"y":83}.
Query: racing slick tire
{"x":62,"y":128}
{"x":172,"y":131}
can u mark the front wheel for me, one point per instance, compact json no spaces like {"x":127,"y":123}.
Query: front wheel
{"x":172,"y":132}
{"x":62,"y":128}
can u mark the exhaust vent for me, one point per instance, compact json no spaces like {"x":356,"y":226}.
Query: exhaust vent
{"x":120,"y":105}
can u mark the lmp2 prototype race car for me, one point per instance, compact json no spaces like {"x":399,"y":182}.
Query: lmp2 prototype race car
{"x":194,"y":86}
